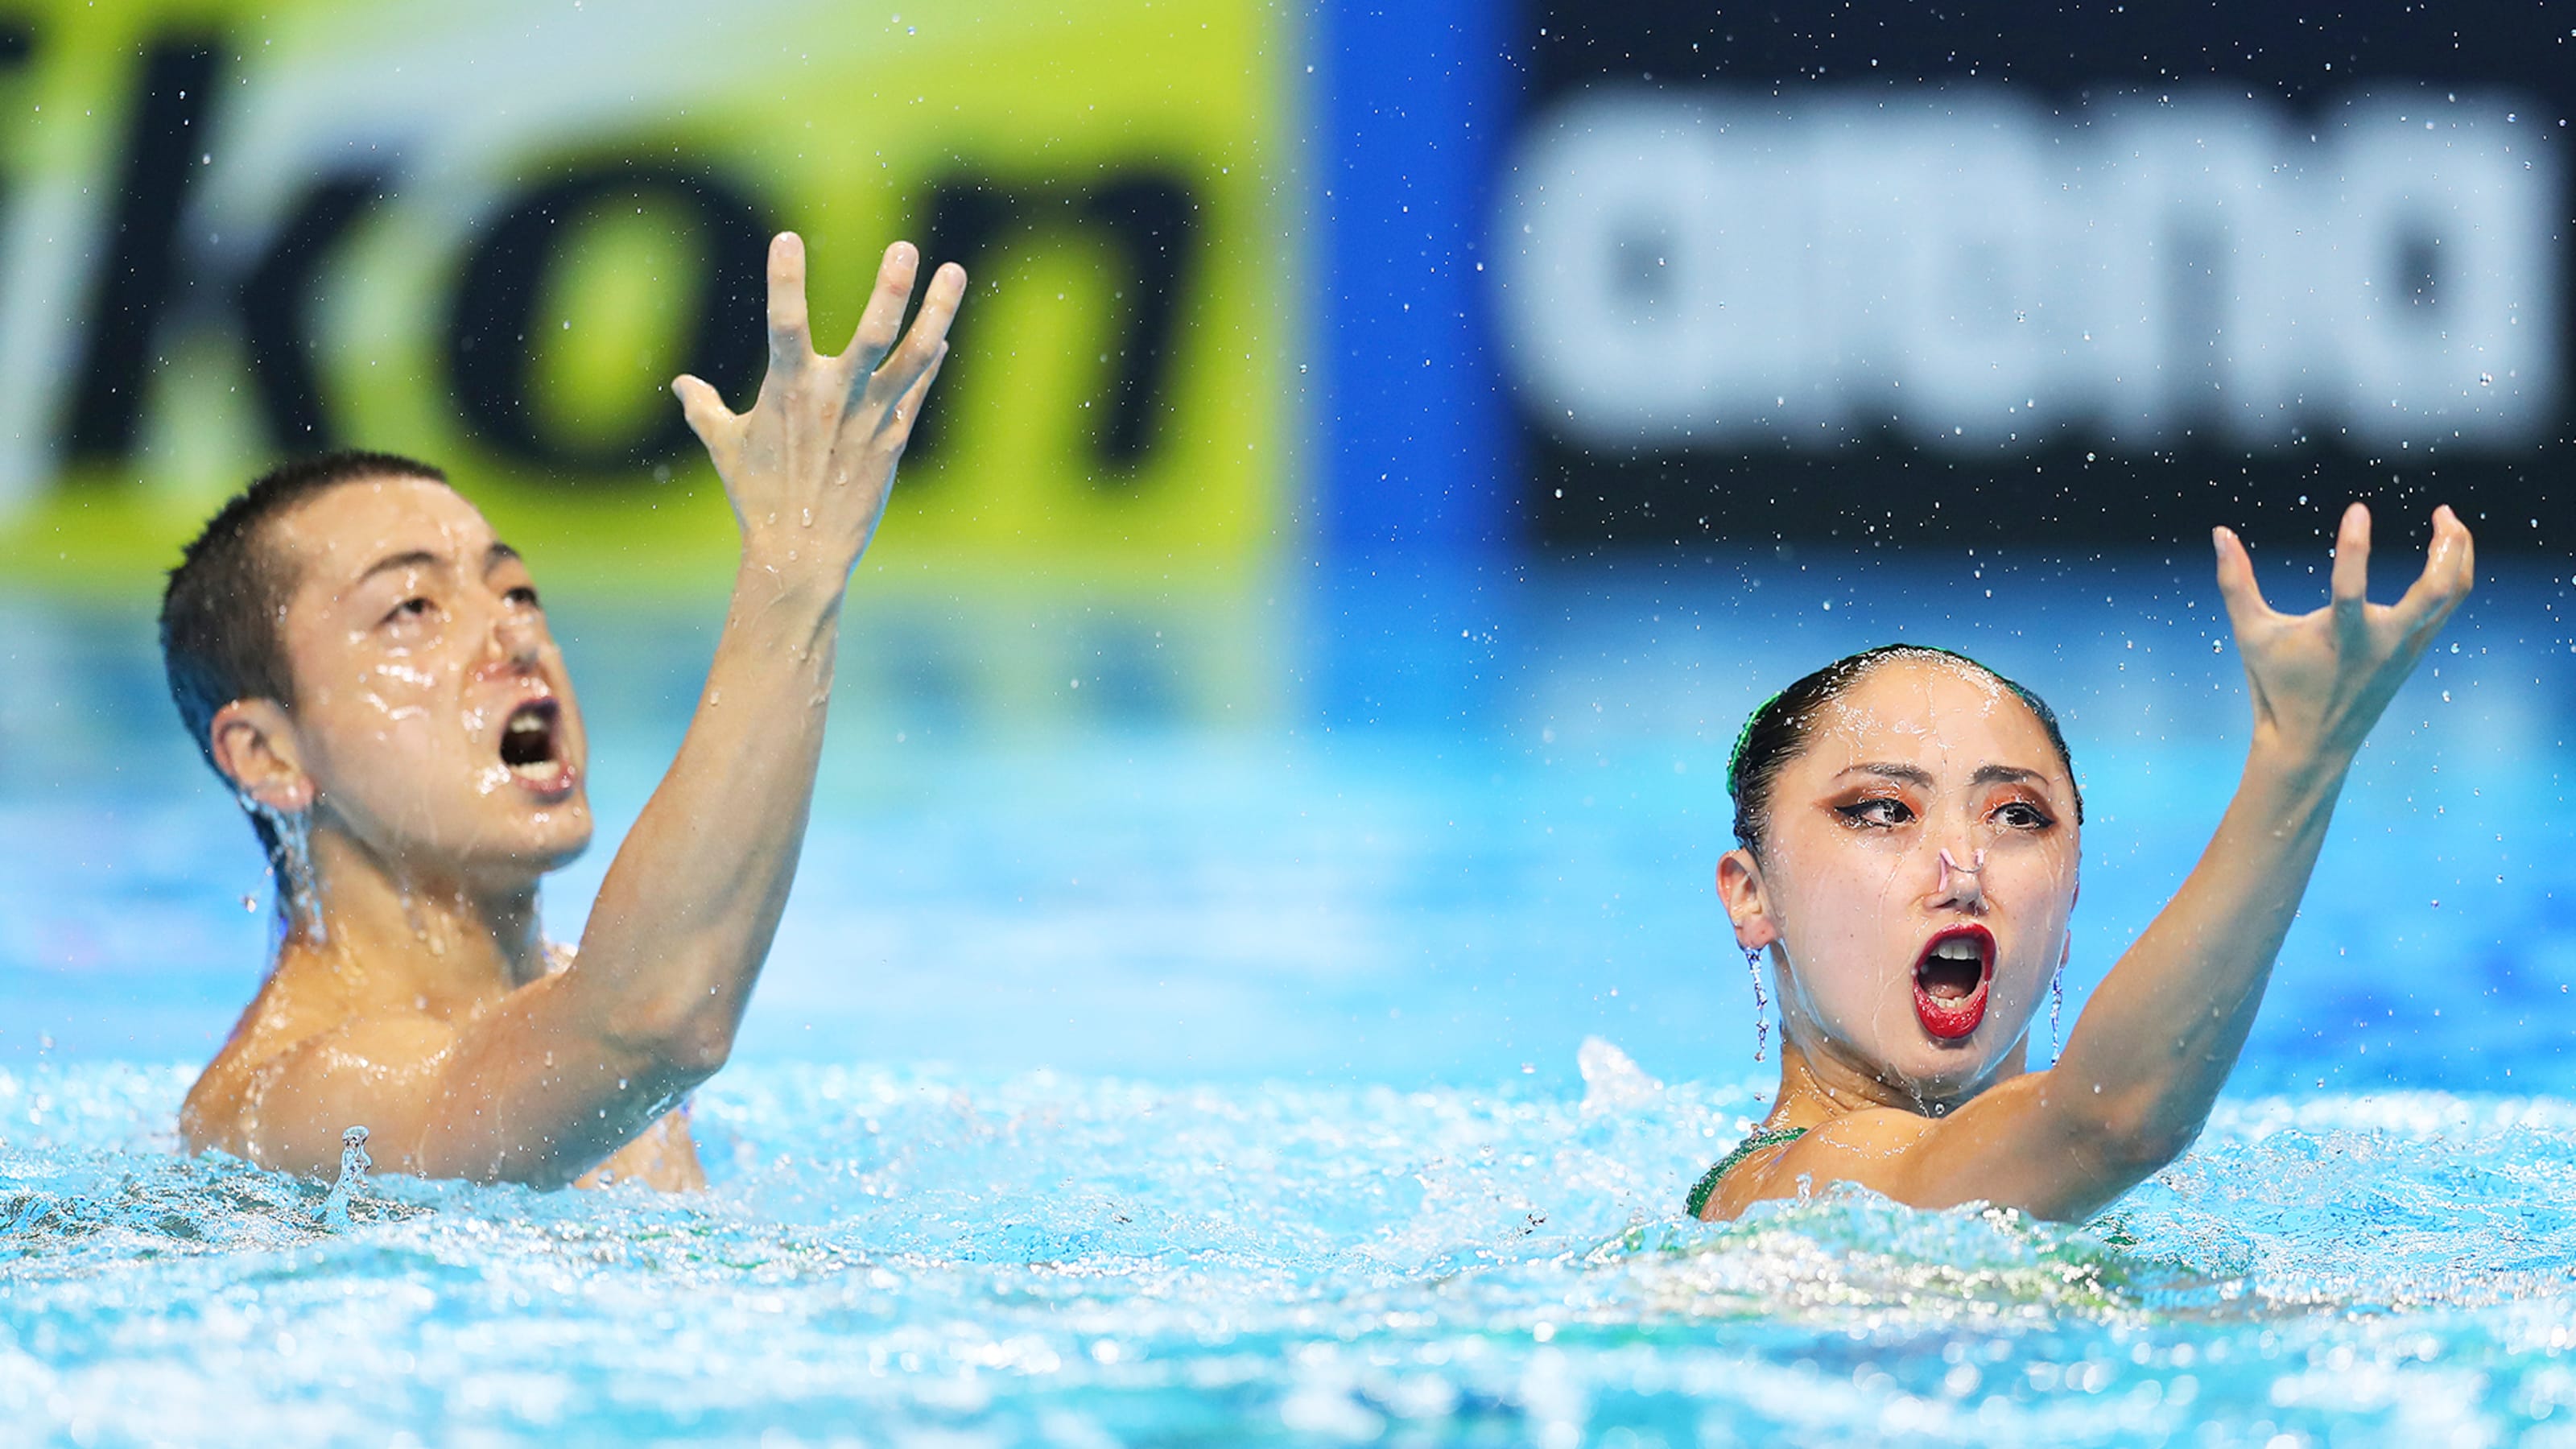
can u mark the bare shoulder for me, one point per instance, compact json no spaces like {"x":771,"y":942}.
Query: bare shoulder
{"x":305,"y":1063}
{"x":1864,"y":1147}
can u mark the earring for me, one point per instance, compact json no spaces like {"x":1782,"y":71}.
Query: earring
{"x":1761,"y":1003}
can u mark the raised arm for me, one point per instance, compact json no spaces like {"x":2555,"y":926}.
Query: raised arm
{"x":572,"y":1066}
{"x":2148,"y":1056}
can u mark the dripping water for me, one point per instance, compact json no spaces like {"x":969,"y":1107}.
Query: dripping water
{"x":354,"y":1163}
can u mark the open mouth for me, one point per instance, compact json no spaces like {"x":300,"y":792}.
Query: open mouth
{"x":1950,"y":980}
{"x":531,"y":746}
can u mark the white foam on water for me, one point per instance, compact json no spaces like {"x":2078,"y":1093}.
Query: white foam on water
{"x":1058,"y":1258}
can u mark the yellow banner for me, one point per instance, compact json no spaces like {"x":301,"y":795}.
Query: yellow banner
{"x":488,"y":233}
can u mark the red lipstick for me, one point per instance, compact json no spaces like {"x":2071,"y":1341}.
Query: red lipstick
{"x":1950,"y":980}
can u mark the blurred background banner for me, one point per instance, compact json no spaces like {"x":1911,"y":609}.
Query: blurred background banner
{"x":488,"y":234}
{"x":2069,"y":273}
{"x":1441,"y":281}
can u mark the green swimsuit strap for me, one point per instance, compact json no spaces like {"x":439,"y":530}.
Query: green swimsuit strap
{"x":1766,"y":1137}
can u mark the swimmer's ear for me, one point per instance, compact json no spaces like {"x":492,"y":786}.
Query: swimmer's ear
{"x":255,"y":746}
{"x":1739,"y":885}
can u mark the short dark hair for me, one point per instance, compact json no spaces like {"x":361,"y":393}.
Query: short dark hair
{"x":1778,"y":731}
{"x":220,"y":616}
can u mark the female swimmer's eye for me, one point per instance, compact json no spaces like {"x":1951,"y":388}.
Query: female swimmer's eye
{"x":2022,"y":815}
{"x":525,"y":596}
{"x":410,"y":609}
{"x":1883,"y":811}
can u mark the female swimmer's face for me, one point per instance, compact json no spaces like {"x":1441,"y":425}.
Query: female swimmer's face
{"x":432,"y":711}
{"x":1899,"y":965}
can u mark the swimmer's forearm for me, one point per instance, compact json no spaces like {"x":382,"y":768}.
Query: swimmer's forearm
{"x":2158,"y":1039}
{"x":687,"y":913}
{"x":2152,"y":1050}
{"x":2161,"y":1036}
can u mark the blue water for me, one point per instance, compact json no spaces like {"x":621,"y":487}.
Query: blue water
{"x":1179,"y":1036}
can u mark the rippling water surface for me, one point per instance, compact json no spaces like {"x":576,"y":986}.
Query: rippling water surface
{"x":896,"y":1256}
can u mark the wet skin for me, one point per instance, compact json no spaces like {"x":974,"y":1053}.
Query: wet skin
{"x":415,"y":996}
{"x":1873,"y":852}
{"x":412,"y":636}
{"x":1922,"y":756}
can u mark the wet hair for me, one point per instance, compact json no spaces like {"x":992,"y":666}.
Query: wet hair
{"x":1779,"y":730}
{"x":220,"y":640}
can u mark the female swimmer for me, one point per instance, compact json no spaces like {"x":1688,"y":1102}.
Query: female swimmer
{"x":1907,"y":824}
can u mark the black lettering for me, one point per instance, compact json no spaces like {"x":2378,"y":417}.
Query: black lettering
{"x":17,"y":42}
{"x":489,"y":356}
{"x":969,"y":222}
{"x":165,"y":138}
{"x":1151,"y":216}
{"x":276,"y":302}
{"x":1152,"y":219}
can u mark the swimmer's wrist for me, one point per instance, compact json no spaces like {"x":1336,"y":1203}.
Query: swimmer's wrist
{"x":2302,"y":766}
{"x":793,"y":581}
{"x":803,"y":566}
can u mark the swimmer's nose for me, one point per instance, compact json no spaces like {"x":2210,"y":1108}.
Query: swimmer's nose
{"x":517,"y":641}
{"x":1961,"y":881}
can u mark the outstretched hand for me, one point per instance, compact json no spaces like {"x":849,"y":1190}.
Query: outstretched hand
{"x":2321,"y":679}
{"x":809,"y":467}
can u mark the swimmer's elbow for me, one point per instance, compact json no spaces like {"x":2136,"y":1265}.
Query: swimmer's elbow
{"x":2138,"y":1145}
{"x":677,"y":1033}
{"x":684,"y":1044}
{"x":699,"y":1049}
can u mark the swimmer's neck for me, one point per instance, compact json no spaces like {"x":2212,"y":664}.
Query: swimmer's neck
{"x":1816,"y":1086}
{"x":408,"y":930}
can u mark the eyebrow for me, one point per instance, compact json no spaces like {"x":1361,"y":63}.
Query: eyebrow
{"x":498,"y":554}
{"x":412,"y":559}
{"x":1916,"y":775}
{"x":1910,"y":774}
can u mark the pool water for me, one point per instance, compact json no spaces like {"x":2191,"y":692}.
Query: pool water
{"x":1292,"y":1012}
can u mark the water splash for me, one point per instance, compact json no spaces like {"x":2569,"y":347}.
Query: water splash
{"x":1612,"y":1080}
{"x":1049,"y":1258}
{"x":1761,"y":1004}
{"x":299,"y":903}
{"x":2056,"y":1013}
{"x":354,"y":1163}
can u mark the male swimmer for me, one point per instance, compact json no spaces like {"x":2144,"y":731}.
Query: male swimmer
{"x":368,"y":667}
{"x":1907,"y":824}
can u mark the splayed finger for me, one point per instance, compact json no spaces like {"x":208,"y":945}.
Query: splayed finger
{"x":790,"y":343}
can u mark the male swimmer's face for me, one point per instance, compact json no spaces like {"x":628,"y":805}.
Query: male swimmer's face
{"x":1921,"y":867}
{"x":431,"y":705}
